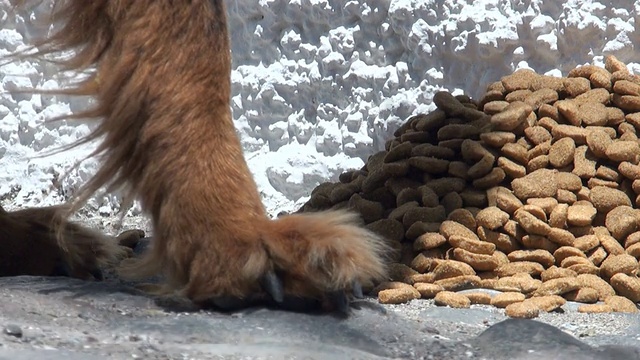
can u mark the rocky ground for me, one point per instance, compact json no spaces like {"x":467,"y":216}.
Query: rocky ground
{"x":68,"y":319}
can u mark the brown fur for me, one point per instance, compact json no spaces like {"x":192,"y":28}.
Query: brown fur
{"x":29,"y":245}
{"x":162,"y":82}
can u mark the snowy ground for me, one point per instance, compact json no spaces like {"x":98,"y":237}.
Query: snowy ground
{"x":318,"y":85}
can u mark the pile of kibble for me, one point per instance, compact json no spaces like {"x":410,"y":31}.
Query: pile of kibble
{"x":531,"y":191}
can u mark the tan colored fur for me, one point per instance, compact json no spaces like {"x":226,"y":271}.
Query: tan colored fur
{"x":162,"y":82}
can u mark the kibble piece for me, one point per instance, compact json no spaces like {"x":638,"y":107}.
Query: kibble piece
{"x":478,"y":297}
{"x":622,"y":221}
{"x":558,"y":286}
{"x":585,"y":295}
{"x":621,"y":304}
{"x":517,"y":283}
{"x":615,"y":264}
{"x":586,"y":242}
{"x":606,"y":198}
{"x":507,"y":298}
{"x":610,"y":244}
{"x":503,"y":242}
{"x":427,"y":260}
{"x":397,"y":293}
{"x":558,"y":217}
{"x":511,"y":116}
{"x":516,"y":152}
{"x":472,"y":245}
{"x":629,"y":170}
{"x":538,"y":242}
{"x":480,"y":262}
{"x":492,"y":217}
{"x":543,"y":257}
{"x":452,"y":299}
{"x":568,"y":181}
{"x":511,"y":168}
{"x":597,"y":255}
{"x":522,"y":310}
{"x":540,"y":183}
{"x":593,"y":114}
{"x":624,"y":151}
{"x":627,"y":286}
{"x":567,"y":251}
{"x":561,"y":152}
{"x":561,"y":237}
{"x":498,"y":139}
{"x":531,"y":224}
{"x":459,"y":283}
{"x":555,"y":272}
{"x":449,"y":228}
{"x":576,"y":86}
{"x":570,"y":111}
{"x":571,"y":261}
{"x":529,"y":267}
{"x":583,"y":164}
{"x":581,"y":214}
{"x":566,"y":197}
{"x":593,"y":281}
{"x":428,"y":291}
{"x":451,"y":268}
{"x":463,"y":217}
{"x":428,"y":241}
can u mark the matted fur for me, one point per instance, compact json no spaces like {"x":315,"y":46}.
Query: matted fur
{"x":29,"y":245}
{"x":162,"y":84}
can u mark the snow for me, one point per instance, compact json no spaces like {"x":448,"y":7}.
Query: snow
{"x":318,"y":85}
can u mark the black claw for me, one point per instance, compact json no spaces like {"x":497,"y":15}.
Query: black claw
{"x":273,"y":286}
{"x":356,"y":289}
{"x":339,"y":301}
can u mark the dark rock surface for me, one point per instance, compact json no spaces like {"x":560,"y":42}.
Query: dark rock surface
{"x":67,"y":319}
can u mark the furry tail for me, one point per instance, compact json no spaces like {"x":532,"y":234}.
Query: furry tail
{"x":30,"y":246}
{"x":325,"y":251}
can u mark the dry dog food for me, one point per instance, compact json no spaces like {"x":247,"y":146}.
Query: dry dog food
{"x":533,"y":190}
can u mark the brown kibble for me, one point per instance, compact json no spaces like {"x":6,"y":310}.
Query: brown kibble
{"x":502,"y":300}
{"x":568,"y":181}
{"x":594,"y":308}
{"x":522,"y":310}
{"x":543,"y":257}
{"x":529,"y":267}
{"x":622,"y":221}
{"x":540,"y":183}
{"x":558,"y":286}
{"x":615,"y":264}
{"x":452,"y":299}
{"x":593,"y":114}
{"x":451,"y":201}
{"x":623,"y":151}
{"x":519,"y":80}
{"x":570,"y":111}
{"x":478,"y":297}
{"x":621,"y":304}
{"x":597,"y":255}
{"x":494,"y":107}
{"x":498,"y":139}
{"x":507,"y":201}
{"x":629,"y":170}
{"x":559,"y":215}
{"x":585,"y":268}
{"x":493,"y":178}
{"x":598,"y":141}
{"x":627,"y":286}
{"x":492,"y":217}
{"x":474,"y":198}
{"x":396,"y":293}
{"x":511,"y":168}
{"x":537,"y":134}
{"x":561,"y":152}
{"x":515,"y":151}
{"x":518,"y":283}
{"x":428,"y":241}
{"x":503,"y":242}
{"x":581,"y":214}
{"x":459,"y":283}
{"x":605,"y":198}
{"x":427,"y":260}
{"x":561,"y":237}
{"x":532,"y":224}
{"x":610,"y":244}
{"x":429,"y":165}
{"x":555,"y":272}
{"x":480,"y":262}
{"x":570,"y":261}
{"x":463,"y":217}
{"x":428,"y":291}
{"x":472,"y":245}
{"x":598,"y":95}
{"x":583,"y":164}
{"x":449,"y":228}
{"x":626,"y":87}
{"x":585,"y":295}
{"x":566,"y":196}
{"x":627,"y":103}
{"x":586,"y":242}
{"x":576,"y":86}
{"x":612,"y":64}
{"x":596,"y":282}
{"x":538,"y":242}
{"x":511,"y":116}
